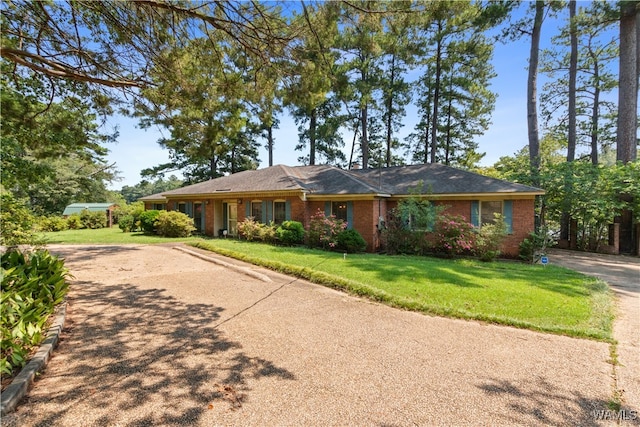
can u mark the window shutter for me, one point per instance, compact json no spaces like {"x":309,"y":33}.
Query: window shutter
{"x":327,"y":208}
{"x":287,"y":210}
{"x":248,"y":209}
{"x":507,"y":213}
{"x":349,"y":215}
{"x":224,"y":215}
{"x":265,"y":215}
{"x":475,"y":213}
{"x":189,"y":209}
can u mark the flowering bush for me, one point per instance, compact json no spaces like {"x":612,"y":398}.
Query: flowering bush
{"x":323,"y":230}
{"x":454,"y":235}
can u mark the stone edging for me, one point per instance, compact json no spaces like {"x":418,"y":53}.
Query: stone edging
{"x":240,"y":269}
{"x":20,"y":384}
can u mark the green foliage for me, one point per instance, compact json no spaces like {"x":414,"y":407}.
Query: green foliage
{"x":16,"y":221}
{"x":489,"y":239}
{"x":148,"y":220}
{"x":52,"y":223}
{"x":290,"y":233}
{"x":592,"y":195}
{"x":93,"y":219}
{"x":145,"y":188}
{"x":51,"y":153}
{"x":133,"y":209}
{"x":535,"y":245}
{"x":398,"y":238}
{"x":32,"y":285}
{"x":268,"y":232}
{"x":323,"y":230}
{"x":350,"y":241}
{"x":126,"y":223}
{"x":74,"y":222}
{"x":174,"y":224}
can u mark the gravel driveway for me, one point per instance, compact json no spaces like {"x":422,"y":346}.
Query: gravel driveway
{"x":155,"y":336}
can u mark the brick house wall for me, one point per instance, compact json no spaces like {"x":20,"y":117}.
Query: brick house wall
{"x":367,"y":212}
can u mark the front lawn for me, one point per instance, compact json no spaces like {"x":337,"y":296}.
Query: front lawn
{"x":551,"y":299}
{"x":111,"y":235}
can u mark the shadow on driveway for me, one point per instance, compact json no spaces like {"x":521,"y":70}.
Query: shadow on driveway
{"x":125,"y":347}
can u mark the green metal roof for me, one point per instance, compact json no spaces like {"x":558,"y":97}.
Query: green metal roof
{"x":92,"y":207}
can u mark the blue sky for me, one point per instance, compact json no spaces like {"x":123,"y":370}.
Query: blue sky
{"x":137,"y":149}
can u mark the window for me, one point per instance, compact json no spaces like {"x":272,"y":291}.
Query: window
{"x":339,"y":210}
{"x":158,"y":206}
{"x":182,"y":207}
{"x":488,"y":209}
{"x":256,"y":211}
{"x":279,"y":212}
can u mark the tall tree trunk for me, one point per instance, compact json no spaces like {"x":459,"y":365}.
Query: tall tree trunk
{"x":565,"y":218}
{"x":595,"y":113}
{"x":532,"y":95}
{"x":626,"y":140}
{"x":390,"y":109}
{"x":312,"y":136}
{"x":436,"y":96}
{"x":353,"y":143}
{"x":573,"y":72}
{"x":270,"y":143}
{"x":364,"y":141}
{"x":213,"y":172}
{"x":427,"y":120}
{"x":448,"y":147}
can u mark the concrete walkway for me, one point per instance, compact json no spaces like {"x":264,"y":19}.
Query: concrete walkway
{"x":155,"y":336}
{"x":622,"y":273}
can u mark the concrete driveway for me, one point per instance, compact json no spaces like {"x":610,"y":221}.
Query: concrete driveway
{"x":622,"y":273}
{"x":155,"y":336}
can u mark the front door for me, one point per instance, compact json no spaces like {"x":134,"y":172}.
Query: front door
{"x":232,"y":219}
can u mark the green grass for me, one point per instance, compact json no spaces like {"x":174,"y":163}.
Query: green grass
{"x":109,"y":236}
{"x":550,"y":299}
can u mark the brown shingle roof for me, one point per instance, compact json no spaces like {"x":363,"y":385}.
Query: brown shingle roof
{"x":437,"y":179}
{"x":329,"y":180}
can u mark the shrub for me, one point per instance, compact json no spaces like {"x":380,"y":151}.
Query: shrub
{"x":350,"y":241}
{"x":453,"y":235}
{"x":290,"y":233}
{"x":74,"y":222}
{"x":174,"y":224}
{"x":32,"y":284}
{"x":148,"y":220}
{"x":398,"y":238}
{"x":323,"y":230}
{"x":490,"y":238}
{"x":16,"y":221}
{"x":52,"y":223}
{"x":267,"y":232}
{"x":93,"y":220}
{"x":249,"y":229}
{"x":126,"y":223}
{"x":535,"y":245}
{"x":134,"y":209}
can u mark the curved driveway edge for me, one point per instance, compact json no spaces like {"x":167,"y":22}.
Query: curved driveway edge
{"x":155,"y":336}
{"x":18,"y":388}
{"x":622,"y":274}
